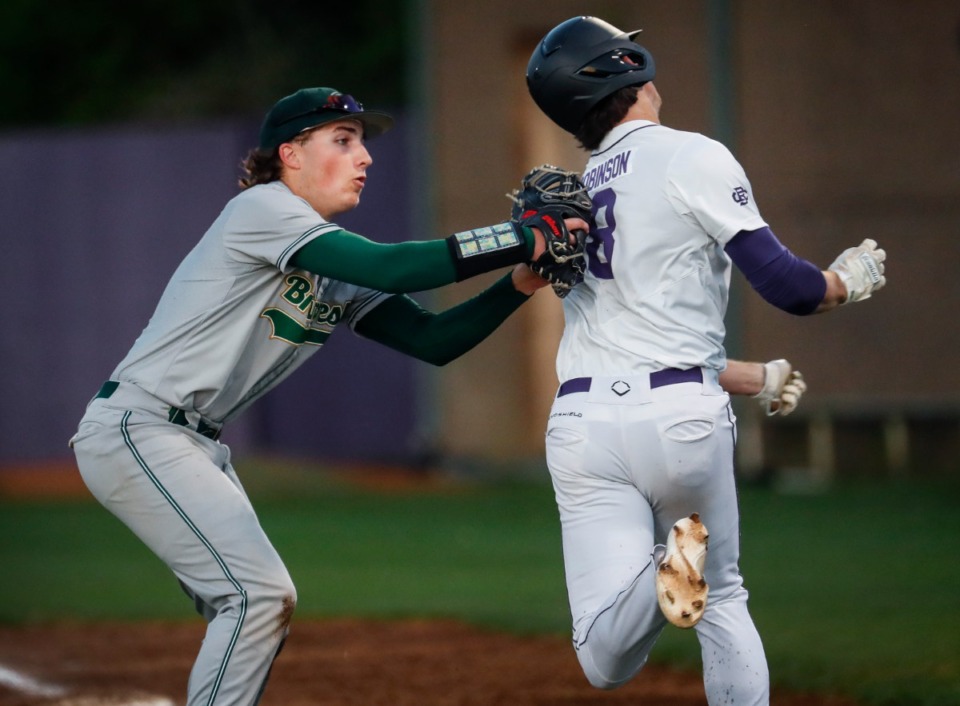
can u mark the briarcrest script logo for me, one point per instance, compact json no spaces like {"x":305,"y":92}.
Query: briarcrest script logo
{"x":299,"y":294}
{"x":741,"y":196}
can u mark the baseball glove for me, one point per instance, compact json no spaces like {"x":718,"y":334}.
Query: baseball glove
{"x":546,"y":196}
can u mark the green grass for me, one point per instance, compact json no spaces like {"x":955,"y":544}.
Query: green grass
{"x":861,"y":593}
{"x":853,"y":591}
{"x":491,"y":555}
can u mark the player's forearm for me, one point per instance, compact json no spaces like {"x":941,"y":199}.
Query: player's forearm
{"x":742,"y":378}
{"x":784,"y":280}
{"x":835,"y":295}
{"x":525,"y":280}
{"x":799,"y":287}
{"x":405,"y":326}
{"x":412,"y":266}
{"x":775,"y":384}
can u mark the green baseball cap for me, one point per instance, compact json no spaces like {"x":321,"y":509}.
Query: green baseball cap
{"x":310,"y":107}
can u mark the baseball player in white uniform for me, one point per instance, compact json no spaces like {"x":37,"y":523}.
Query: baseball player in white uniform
{"x":260,"y":293}
{"x":640,"y":439}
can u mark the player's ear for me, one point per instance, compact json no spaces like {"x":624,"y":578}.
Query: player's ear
{"x":289,"y":155}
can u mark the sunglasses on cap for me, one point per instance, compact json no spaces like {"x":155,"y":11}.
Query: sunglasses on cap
{"x":335,"y":101}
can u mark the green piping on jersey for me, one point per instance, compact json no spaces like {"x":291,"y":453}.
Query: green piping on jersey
{"x":242,"y":614}
{"x":299,"y":241}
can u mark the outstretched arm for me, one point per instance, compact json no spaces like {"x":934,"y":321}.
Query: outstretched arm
{"x":416,"y":266}
{"x":411,"y":266}
{"x":438,"y":338}
{"x":798,"y":286}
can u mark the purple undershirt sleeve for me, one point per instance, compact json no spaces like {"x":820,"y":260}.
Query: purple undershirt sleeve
{"x":788,"y":282}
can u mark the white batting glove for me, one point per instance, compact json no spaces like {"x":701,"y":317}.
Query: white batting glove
{"x":861,"y":270}
{"x":782,"y":388}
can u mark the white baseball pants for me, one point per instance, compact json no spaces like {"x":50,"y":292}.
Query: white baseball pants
{"x":625,"y":466}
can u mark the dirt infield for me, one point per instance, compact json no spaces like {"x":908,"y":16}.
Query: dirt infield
{"x":335,"y":663}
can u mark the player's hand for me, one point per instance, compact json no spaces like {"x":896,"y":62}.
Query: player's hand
{"x":525,"y":280}
{"x":861,"y":270}
{"x":782,"y":388}
{"x":572,"y":224}
{"x":575,"y":224}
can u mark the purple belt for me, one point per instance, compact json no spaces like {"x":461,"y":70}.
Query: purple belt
{"x":667,"y":376}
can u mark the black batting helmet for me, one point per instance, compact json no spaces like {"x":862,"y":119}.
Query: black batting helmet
{"x":579,"y":63}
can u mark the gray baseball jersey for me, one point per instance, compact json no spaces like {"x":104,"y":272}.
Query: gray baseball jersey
{"x":235,"y":318}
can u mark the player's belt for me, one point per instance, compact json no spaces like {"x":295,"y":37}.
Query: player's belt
{"x":660,"y":378}
{"x":175,"y":414}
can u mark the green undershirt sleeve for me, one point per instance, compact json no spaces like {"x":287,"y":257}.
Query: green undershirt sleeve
{"x":438,"y":338}
{"x":411,"y":266}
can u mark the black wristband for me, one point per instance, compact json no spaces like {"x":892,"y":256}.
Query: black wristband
{"x":483,"y":249}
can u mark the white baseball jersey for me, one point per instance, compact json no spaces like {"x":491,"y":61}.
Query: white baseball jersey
{"x":629,"y":458}
{"x":666,"y":202}
{"x":235,"y":318}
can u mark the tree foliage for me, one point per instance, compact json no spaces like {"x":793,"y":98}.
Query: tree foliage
{"x":79,"y":62}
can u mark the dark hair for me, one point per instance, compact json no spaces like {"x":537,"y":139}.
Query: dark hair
{"x":604,"y":116}
{"x":260,"y":167}
{"x":263,"y":166}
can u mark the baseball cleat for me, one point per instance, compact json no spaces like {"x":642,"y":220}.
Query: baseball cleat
{"x":681,"y":588}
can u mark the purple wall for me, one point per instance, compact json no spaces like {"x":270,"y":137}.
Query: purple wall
{"x":94,"y":224}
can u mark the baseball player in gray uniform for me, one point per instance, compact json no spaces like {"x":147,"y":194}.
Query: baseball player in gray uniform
{"x":640,"y":439}
{"x":262,"y":290}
